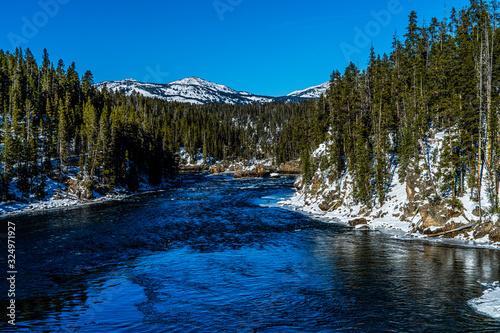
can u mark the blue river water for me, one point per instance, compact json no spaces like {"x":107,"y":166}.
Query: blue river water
{"x":216,"y":254}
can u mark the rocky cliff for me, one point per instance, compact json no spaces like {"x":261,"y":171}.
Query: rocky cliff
{"x":413,"y":205}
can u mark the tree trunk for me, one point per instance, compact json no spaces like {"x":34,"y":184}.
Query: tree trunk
{"x":451,"y":162}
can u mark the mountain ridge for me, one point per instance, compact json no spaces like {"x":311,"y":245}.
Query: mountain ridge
{"x":196,"y":90}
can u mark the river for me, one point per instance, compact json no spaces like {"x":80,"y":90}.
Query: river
{"x":216,"y":254}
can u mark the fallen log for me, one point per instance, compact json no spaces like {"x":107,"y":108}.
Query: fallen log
{"x":454,"y":230}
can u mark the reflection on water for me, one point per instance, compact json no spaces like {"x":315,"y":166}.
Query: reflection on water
{"x":215,"y":254}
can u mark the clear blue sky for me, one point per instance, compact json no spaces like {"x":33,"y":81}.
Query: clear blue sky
{"x":261,"y":46}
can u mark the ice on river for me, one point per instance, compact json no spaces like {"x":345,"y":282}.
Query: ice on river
{"x":489,"y":302}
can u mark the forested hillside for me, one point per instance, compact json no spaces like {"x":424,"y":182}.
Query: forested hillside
{"x":54,"y":120}
{"x":441,"y":78}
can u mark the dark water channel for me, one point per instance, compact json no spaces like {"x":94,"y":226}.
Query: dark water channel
{"x":215,"y":254}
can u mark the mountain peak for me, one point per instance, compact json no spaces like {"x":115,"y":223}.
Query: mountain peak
{"x":312,"y":92}
{"x":199,"y":91}
{"x":192,"y":80}
{"x":128,"y":80}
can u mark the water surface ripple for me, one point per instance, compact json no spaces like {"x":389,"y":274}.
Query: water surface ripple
{"x":215,"y":254}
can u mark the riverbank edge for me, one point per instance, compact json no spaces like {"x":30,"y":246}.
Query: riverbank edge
{"x":388,"y":224}
{"x":68,"y":201}
{"x":385,"y":219}
{"x":64,"y":199}
{"x":393,"y":227}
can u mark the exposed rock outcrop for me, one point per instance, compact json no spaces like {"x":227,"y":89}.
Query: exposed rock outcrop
{"x":437,"y":214}
{"x":421,"y":200}
{"x":418,"y":188}
{"x":331,"y":201}
{"x":356,"y":222}
{"x":495,"y":234}
{"x":193,"y":168}
{"x":483,"y":230}
{"x":234,"y":167}
{"x":80,"y":188}
{"x":217,"y":168}
{"x":291,"y":168}
{"x":256,"y":172}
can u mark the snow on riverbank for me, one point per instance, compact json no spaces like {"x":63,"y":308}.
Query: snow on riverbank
{"x":408,"y":205}
{"x":389,"y":223}
{"x":385,"y":218}
{"x":57,"y":197}
{"x":345,"y":213}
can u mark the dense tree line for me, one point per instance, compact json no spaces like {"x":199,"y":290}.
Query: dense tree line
{"x":53,"y":119}
{"x":443,"y":76}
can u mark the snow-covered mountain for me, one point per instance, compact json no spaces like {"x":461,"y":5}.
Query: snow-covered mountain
{"x":312,"y":92}
{"x":198,"y":91}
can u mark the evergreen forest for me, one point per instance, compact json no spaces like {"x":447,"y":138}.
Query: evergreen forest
{"x":54,"y":119}
{"x":441,"y":76}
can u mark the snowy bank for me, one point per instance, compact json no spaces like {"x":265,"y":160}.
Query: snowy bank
{"x":58,"y":195}
{"x":409,"y":210}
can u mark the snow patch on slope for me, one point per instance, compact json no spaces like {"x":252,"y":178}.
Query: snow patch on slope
{"x":312,"y":92}
{"x":198,"y":91}
{"x":388,"y":217}
{"x":189,"y":90}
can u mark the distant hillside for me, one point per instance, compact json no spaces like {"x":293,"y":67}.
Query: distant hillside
{"x":198,"y":91}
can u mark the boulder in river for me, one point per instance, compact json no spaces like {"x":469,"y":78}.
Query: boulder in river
{"x":292,"y":168}
{"x":259,"y":171}
{"x":218,"y":168}
{"x":356,"y":222}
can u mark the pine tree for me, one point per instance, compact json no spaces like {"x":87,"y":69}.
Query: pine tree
{"x":62,"y":137}
{"x":9,"y":157}
{"x":105,"y":145}
{"x":307,"y":167}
